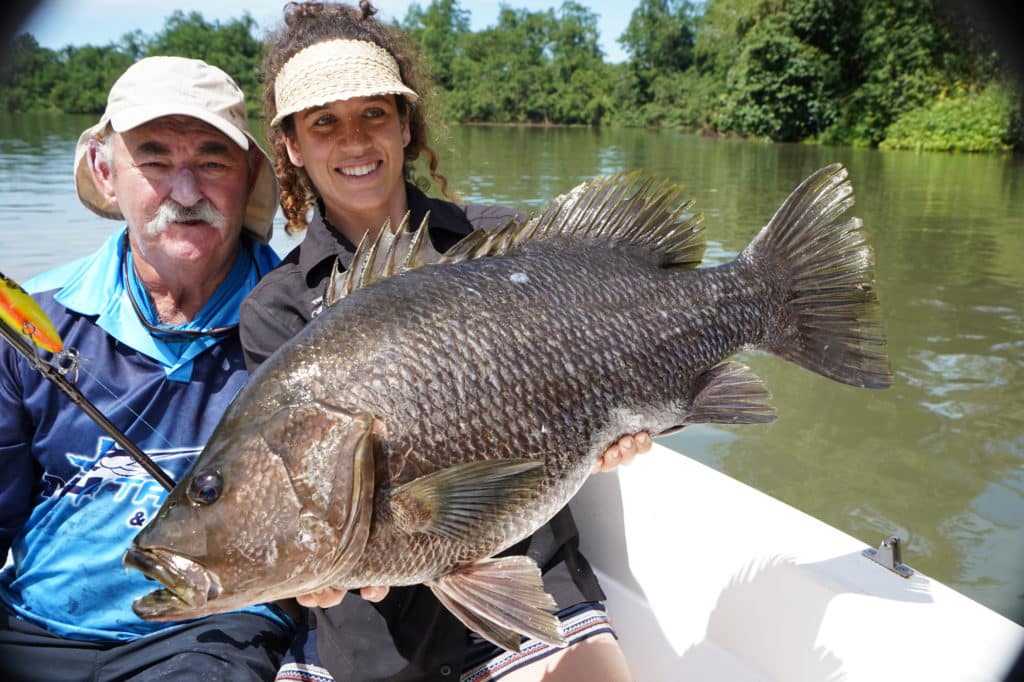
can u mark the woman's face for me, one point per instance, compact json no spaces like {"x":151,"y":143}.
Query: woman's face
{"x":353,"y":150}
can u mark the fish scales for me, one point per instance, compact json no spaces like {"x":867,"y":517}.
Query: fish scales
{"x":442,"y":409}
{"x":529,"y":404}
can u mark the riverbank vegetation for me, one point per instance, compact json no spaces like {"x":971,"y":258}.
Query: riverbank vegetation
{"x":889,"y":73}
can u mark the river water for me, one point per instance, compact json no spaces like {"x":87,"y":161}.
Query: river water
{"x":937,"y":459}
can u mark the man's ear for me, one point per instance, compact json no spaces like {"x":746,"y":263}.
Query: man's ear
{"x":406,"y":134}
{"x":102,"y":171}
{"x":294,"y":155}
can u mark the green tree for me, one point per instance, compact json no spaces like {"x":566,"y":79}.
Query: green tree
{"x":659,"y":40}
{"x":133,"y":45}
{"x":439,"y":31}
{"x":717,"y":33}
{"x":909,"y":52}
{"x":505,"y":74}
{"x":864,"y":71}
{"x":660,"y":35}
{"x":780,"y":86}
{"x":582,"y":92}
{"x":574,"y":40}
{"x":88,"y":73}
{"x":961,"y":121}
{"x":230,"y":45}
{"x":27,"y":75}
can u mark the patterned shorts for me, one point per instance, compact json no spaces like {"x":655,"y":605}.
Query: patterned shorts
{"x":484,"y":661}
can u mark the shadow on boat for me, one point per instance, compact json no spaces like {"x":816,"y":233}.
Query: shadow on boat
{"x":692,"y":598}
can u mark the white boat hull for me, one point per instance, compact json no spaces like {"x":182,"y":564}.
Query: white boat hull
{"x":710,"y":579}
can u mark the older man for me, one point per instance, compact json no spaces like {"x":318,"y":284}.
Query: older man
{"x":154,"y":315}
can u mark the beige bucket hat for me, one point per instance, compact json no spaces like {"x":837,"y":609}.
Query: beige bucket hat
{"x":166,"y":86}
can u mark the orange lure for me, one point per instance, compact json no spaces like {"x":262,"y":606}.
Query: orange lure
{"x":22,"y":314}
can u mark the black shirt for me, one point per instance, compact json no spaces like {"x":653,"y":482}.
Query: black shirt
{"x":409,"y":635}
{"x":287,"y":298}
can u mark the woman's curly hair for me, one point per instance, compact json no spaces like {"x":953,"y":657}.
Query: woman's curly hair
{"x":308,"y":23}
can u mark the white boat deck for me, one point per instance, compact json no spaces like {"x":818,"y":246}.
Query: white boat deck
{"x":710,"y":579}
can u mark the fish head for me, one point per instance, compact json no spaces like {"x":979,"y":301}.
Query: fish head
{"x":273,"y":508}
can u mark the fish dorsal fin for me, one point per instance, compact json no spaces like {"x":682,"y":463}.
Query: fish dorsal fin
{"x":620,"y":209}
{"x":390,"y":253}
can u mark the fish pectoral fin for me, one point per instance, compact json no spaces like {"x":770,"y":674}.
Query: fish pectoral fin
{"x":458,"y":500}
{"x":730,"y":393}
{"x":500,"y":599}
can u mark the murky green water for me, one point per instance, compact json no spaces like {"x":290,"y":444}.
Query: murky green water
{"x":937,"y":459}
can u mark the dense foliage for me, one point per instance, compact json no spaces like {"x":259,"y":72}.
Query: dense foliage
{"x":896,"y":73}
{"x":75,"y":80}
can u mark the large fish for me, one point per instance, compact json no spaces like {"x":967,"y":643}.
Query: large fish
{"x":443,"y":408}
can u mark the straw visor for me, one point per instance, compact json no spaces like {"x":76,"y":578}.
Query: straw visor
{"x":336,"y":70}
{"x":174,"y":86}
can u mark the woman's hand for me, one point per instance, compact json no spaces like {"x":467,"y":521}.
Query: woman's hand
{"x":330,"y":596}
{"x":623,"y":451}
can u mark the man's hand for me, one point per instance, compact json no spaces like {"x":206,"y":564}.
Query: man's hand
{"x":623,"y":452}
{"x":329,"y":596}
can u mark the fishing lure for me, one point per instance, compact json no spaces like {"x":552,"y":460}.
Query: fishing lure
{"x":20,"y":316}
{"x":23,"y":315}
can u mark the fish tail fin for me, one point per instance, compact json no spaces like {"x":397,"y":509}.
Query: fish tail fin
{"x":831,"y":323}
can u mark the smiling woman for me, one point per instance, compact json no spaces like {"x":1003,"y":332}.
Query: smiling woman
{"x":377,"y":125}
{"x":349,"y":118}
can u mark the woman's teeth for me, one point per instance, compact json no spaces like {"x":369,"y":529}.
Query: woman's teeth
{"x":357,"y":171}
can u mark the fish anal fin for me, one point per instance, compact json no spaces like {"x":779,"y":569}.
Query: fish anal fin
{"x":500,"y":599}
{"x":730,"y":393}
{"x":456,"y":501}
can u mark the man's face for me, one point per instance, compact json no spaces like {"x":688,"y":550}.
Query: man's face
{"x":182,"y":186}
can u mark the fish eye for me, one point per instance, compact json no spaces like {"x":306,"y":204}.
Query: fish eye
{"x":206,"y":488}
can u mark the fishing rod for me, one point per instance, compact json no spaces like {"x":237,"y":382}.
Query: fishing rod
{"x":19,"y":307}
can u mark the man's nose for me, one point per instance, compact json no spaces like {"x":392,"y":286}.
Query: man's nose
{"x":185,"y":188}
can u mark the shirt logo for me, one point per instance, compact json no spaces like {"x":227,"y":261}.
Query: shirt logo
{"x":112,"y":469}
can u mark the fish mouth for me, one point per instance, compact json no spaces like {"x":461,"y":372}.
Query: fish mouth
{"x":189,"y":587}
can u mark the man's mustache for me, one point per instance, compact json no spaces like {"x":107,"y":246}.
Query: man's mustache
{"x":171,"y":211}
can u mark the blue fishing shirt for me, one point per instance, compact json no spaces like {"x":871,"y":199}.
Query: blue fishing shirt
{"x":70,"y":499}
